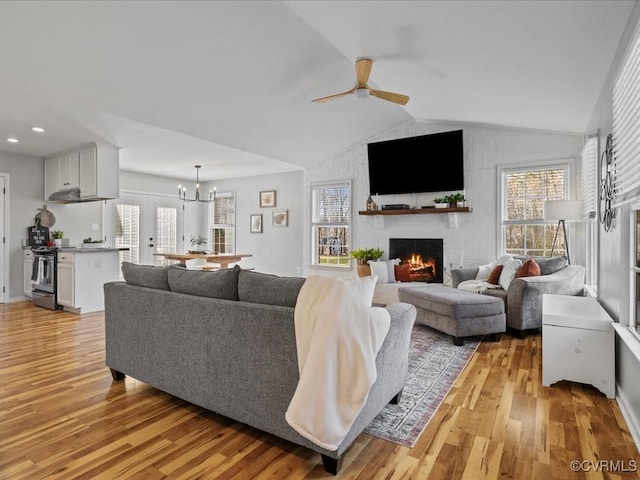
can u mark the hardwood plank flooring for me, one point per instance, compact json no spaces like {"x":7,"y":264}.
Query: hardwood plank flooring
{"x":63,"y":417}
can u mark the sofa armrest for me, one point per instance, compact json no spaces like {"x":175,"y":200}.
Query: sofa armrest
{"x":461,"y":274}
{"x":524,"y":297}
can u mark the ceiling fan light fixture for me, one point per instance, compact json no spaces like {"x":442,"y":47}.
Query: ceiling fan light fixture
{"x":361,"y":93}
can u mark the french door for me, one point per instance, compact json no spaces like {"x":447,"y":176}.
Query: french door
{"x":145,"y":224}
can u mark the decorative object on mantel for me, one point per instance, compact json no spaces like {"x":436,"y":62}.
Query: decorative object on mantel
{"x":562,"y":210}
{"x":182,"y":191}
{"x":268,"y":198}
{"x":362,"y":256}
{"x":256,"y":223}
{"x":607,"y":186}
{"x":371,"y":205}
{"x":441,"y":202}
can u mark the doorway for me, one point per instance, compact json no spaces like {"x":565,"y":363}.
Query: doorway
{"x":145,"y":224}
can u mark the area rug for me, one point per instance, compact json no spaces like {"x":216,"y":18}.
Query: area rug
{"x":434,"y":365}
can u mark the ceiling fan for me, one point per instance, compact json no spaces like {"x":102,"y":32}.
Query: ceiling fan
{"x":362,"y":90}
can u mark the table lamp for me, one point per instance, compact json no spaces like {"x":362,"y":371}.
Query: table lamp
{"x":562,"y":211}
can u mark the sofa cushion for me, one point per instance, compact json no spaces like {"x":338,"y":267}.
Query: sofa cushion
{"x":494,"y":276}
{"x":548,"y":265}
{"x":221,"y":284}
{"x":529,"y":268}
{"x":363,"y":287}
{"x":257,"y":287}
{"x":149,"y":276}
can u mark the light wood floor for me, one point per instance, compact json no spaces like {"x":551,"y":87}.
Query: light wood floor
{"x":63,"y":417}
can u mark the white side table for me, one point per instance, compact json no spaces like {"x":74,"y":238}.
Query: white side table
{"x":578,"y":342}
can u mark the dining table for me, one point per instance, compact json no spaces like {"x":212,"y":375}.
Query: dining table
{"x":221,"y":259}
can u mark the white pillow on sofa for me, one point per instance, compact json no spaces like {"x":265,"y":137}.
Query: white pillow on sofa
{"x":384,"y":269}
{"x":509,"y":270}
{"x":364,"y":287}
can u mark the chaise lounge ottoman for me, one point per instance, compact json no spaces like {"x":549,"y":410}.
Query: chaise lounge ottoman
{"x":458,"y":313}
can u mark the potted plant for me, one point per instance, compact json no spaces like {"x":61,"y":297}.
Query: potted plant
{"x":198,"y":243}
{"x":90,"y":243}
{"x":458,"y":200}
{"x":57,"y":236}
{"x":441,"y":202}
{"x":362,"y":256}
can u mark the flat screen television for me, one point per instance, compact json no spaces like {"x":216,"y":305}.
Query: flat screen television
{"x":426,"y":163}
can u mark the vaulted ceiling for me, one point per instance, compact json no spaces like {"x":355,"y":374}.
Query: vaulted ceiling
{"x":229,"y":84}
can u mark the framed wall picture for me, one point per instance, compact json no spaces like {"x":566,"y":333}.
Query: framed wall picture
{"x":268,"y":198}
{"x":280,"y":218}
{"x":256,"y":223}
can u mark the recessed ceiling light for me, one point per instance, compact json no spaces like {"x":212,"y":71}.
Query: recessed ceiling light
{"x":12,"y":140}
{"x":37,"y":129}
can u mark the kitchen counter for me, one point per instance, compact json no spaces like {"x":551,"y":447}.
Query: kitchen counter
{"x":91,"y":250}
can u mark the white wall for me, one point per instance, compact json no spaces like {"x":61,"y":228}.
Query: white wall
{"x":613,"y":262}
{"x":278,"y":250}
{"x":26,"y":192}
{"x":485,"y":149}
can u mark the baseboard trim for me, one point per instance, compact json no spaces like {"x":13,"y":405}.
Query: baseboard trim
{"x":633,"y":421}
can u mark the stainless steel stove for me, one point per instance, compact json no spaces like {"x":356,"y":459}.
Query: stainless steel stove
{"x":44,"y":289}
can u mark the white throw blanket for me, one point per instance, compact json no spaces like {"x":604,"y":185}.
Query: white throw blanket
{"x":337,"y":339}
{"x":477,"y":286}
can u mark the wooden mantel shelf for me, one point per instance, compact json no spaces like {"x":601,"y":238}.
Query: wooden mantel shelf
{"x":416,"y":211}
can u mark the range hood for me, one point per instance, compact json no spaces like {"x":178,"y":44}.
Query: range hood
{"x":72,"y":195}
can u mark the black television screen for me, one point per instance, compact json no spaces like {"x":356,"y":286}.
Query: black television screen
{"x":427,"y":163}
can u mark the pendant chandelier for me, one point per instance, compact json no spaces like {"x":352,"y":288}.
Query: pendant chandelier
{"x":182,"y":191}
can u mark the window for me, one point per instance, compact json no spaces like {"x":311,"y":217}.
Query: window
{"x":127,"y":232}
{"x":330,"y":224}
{"x":524,"y":190}
{"x":222,"y":219}
{"x":626,"y":172}
{"x":166,"y":232}
{"x":590,"y":193}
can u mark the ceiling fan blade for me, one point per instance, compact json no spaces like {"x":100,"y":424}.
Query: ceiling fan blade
{"x":389,"y":96}
{"x":363,"y":70}
{"x":331,"y":97}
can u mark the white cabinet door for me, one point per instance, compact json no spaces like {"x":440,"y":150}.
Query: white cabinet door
{"x":68,"y":171}
{"x":88,"y":181}
{"x":66,"y":278}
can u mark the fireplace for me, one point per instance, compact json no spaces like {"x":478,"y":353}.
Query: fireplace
{"x":424,"y":255}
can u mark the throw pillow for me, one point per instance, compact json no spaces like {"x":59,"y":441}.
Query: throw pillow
{"x":380,"y":269}
{"x":529,"y":268}
{"x":221,"y":284}
{"x":484,"y":271}
{"x":403,"y":272}
{"x":494,"y":276}
{"x":391,"y":269}
{"x":257,"y":287}
{"x":509,"y":270}
{"x":363,"y":287}
{"x":146,"y":275}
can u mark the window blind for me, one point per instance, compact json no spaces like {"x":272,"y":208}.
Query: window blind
{"x":330,"y":204}
{"x":589,"y":162}
{"x":626,"y":124}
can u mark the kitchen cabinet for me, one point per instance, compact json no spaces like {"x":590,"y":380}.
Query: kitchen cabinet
{"x":82,"y":274}
{"x":27,"y":269}
{"x":93,"y":169}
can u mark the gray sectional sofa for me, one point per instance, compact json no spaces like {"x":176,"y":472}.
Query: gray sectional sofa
{"x":225,"y":341}
{"x":523,"y":298}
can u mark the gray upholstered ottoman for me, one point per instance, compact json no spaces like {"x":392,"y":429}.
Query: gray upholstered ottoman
{"x":458,"y":313}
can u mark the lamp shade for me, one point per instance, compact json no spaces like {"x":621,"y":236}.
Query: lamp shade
{"x":568,"y":210}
